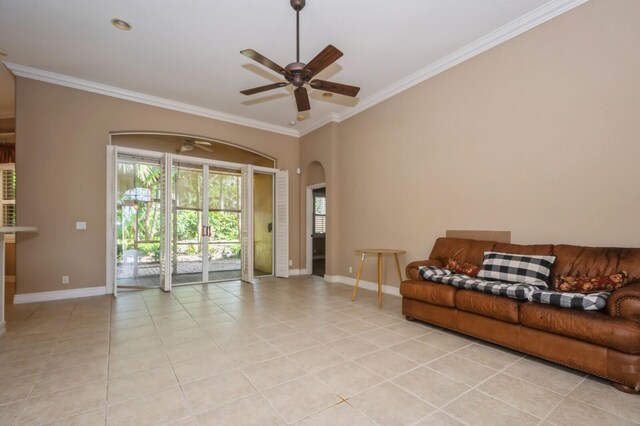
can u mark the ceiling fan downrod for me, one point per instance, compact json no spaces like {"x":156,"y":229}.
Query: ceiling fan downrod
{"x":297,"y":5}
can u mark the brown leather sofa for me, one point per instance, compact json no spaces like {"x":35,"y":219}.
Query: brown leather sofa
{"x":602,"y":343}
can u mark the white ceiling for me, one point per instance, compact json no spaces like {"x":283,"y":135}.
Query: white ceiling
{"x":188,"y":51}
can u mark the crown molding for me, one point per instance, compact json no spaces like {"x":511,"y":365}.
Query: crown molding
{"x":129,"y":95}
{"x":514,"y":28}
{"x":499,"y":36}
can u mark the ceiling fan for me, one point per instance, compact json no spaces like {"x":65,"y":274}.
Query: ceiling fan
{"x":189,"y":144}
{"x":299,"y":73}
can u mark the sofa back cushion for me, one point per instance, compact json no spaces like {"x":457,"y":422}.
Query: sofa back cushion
{"x":578,"y":261}
{"x":460,"y":249}
{"x":472,"y":251}
{"x":532,"y":250}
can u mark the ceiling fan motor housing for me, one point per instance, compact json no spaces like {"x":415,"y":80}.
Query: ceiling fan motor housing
{"x":297,"y":5}
{"x":298,"y":75}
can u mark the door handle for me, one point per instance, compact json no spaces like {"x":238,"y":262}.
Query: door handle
{"x":206,"y":231}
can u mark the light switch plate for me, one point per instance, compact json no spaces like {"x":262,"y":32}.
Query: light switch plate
{"x":81,"y":225}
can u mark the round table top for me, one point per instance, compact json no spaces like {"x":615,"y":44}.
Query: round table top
{"x":380,"y":251}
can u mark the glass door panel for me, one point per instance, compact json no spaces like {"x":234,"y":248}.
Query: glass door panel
{"x":188,"y":227}
{"x":138,"y":222}
{"x":262,"y":224}
{"x":224,"y":220}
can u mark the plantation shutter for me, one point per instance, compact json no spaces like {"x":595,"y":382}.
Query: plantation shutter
{"x":246,"y":224}
{"x":282,"y":224}
{"x":8,"y":195}
{"x":165,"y":217}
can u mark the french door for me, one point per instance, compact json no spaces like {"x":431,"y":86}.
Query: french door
{"x":182,"y":220}
{"x":205,"y":223}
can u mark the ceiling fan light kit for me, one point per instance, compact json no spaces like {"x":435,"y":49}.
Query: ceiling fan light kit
{"x":298,"y":73}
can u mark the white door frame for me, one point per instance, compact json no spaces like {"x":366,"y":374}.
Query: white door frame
{"x":308,"y":270}
{"x":112,"y":159}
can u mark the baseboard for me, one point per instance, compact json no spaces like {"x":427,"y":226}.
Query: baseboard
{"x":59,"y":294}
{"x":296,"y":272}
{"x":386,"y":289}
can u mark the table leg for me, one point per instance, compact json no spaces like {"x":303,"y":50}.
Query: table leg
{"x":355,"y":290}
{"x":398,"y":266}
{"x":380,"y":280}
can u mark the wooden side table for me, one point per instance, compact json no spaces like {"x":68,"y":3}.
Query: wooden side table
{"x":380,"y":253}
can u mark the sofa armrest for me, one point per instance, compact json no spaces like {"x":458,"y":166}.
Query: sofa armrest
{"x":625,"y":303}
{"x":412,"y":268}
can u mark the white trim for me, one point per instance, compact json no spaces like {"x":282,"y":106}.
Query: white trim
{"x":130,"y":95}
{"x":111,"y":273}
{"x":59,"y":294}
{"x":296,"y":272}
{"x":512,"y":29}
{"x":386,"y":289}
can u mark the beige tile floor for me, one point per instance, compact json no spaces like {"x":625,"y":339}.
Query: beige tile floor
{"x":277,"y":352}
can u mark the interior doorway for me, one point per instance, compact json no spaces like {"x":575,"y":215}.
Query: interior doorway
{"x":316,"y":229}
{"x":176,"y":219}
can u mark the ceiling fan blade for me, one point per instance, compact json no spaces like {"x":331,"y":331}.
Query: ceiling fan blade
{"x":252,"y":54}
{"x":263,"y":88}
{"x":204,"y":148}
{"x":202,"y":143}
{"x":325,"y":58}
{"x":302,"y":99}
{"x":341,"y":89}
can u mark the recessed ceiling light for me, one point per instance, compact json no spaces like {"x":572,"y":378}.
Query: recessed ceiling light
{"x":292,"y":123}
{"x":120,"y":24}
{"x":300,"y":117}
{"x":3,"y":53}
{"x":327,"y":95}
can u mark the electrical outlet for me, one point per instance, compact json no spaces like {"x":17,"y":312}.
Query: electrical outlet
{"x":290,"y":262}
{"x":351,"y":269}
{"x":65,"y":279}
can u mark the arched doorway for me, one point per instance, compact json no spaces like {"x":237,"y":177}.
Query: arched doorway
{"x":189,"y":209}
{"x":316,"y":214}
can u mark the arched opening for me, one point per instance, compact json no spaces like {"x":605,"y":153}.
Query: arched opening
{"x":193,"y":146}
{"x":316,"y":218}
{"x":180,"y":205}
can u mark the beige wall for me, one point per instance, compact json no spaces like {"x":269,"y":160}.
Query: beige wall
{"x":538,"y":136}
{"x":7,"y":125}
{"x":62,"y":136}
{"x":172,"y":144}
{"x":318,"y":149}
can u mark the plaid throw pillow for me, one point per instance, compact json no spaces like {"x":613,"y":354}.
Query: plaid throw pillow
{"x":587,"y":302}
{"x":516,"y":268}
{"x":461,"y":267}
{"x":588,"y":285}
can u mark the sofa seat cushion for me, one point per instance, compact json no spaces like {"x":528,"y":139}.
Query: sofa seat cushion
{"x":488,"y":305}
{"x":434,"y":293}
{"x":589,"y":326}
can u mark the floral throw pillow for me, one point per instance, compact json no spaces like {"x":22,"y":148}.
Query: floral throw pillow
{"x":460,"y":267}
{"x":588,"y":285}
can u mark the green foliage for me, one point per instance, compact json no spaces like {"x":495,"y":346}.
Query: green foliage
{"x":226,"y":225}
{"x":138,"y":220}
